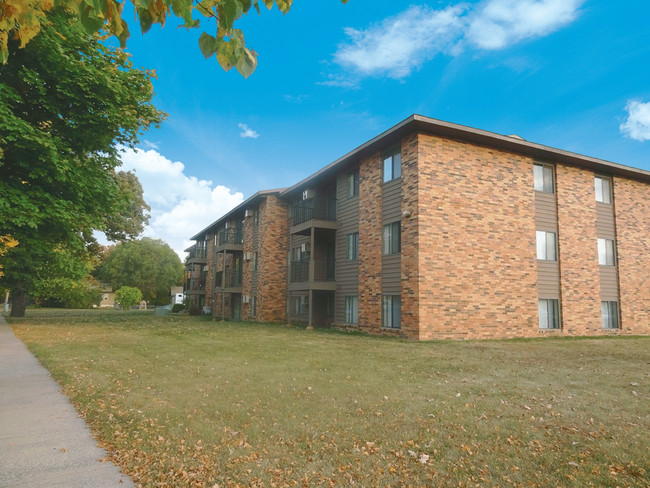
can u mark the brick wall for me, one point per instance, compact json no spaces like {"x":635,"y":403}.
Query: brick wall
{"x":578,"y":251}
{"x":272,"y":260}
{"x":476,"y":231}
{"x":632,"y":213}
{"x":370,"y":228}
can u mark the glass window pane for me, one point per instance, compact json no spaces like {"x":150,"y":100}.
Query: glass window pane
{"x":397,"y":165}
{"x":397,"y":312}
{"x":602,"y":252}
{"x":598,"y":183}
{"x":396,"y":238}
{"x":543,"y":314}
{"x":538,"y":174}
{"x":386,"y":311}
{"x":609,"y":244}
{"x":551,"y":254}
{"x":613,"y":315}
{"x":388,"y":169}
{"x":548,"y":179}
{"x":387,"y":238}
{"x":604,"y":311}
{"x":607,"y":190}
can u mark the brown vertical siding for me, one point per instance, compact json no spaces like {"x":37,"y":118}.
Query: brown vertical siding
{"x":579,"y":273}
{"x":347,"y":272}
{"x":632,"y":214}
{"x":477,"y":263}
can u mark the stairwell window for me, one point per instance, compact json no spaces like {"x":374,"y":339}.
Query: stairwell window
{"x":255,"y":262}
{"x":253,"y":306}
{"x":543,"y":176}
{"x":351,"y":310}
{"x":609,"y":312}
{"x":352,"y":246}
{"x":392,"y":165}
{"x":603,"y":189}
{"x":606,"y":252}
{"x":392,"y":239}
{"x":353,"y":183}
{"x":546,"y":246}
{"x":549,"y":313}
{"x":391,"y":312}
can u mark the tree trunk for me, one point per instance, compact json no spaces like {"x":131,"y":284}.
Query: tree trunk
{"x":18,"y":303}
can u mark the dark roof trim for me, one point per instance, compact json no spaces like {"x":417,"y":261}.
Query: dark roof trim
{"x":242,"y":206}
{"x":419,"y":123}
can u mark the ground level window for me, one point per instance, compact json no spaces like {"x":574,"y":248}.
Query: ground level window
{"x":549,"y":313}
{"x":391,"y":317}
{"x":352,"y":310}
{"x":253,"y":306}
{"x":300,"y":305}
{"x":609,"y":312}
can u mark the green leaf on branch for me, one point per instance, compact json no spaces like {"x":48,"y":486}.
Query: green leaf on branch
{"x":207,"y":44}
{"x":247,"y":62}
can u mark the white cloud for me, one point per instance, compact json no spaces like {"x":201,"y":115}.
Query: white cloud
{"x":247,"y":131}
{"x":181,"y":205}
{"x":500,"y":23}
{"x":149,"y":144}
{"x":637,"y":125}
{"x":400,"y":44}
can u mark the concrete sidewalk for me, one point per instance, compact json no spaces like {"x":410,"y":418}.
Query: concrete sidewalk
{"x":43,"y":442}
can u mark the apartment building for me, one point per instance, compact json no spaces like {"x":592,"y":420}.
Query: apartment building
{"x":436,"y":230}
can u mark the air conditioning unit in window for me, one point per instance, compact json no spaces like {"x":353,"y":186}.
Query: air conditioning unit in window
{"x":248,"y":256}
{"x":248,"y":213}
{"x":306,"y":194}
{"x":245,"y":299}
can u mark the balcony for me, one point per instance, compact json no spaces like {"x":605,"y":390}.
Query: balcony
{"x":318,"y":274}
{"x":230,"y":239}
{"x":194,"y":286}
{"x":197,"y":255}
{"x":315,"y":212}
{"x":233,"y":279}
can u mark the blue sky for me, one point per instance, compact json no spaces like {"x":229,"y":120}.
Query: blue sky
{"x":572,"y":74}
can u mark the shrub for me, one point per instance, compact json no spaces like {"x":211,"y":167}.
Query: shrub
{"x":178,"y":307}
{"x":128,"y":296}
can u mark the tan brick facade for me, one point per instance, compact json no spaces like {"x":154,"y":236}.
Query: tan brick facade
{"x":632,"y":211}
{"x":272,"y":266}
{"x":578,"y":251}
{"x":476,"y":242}
{"x":468,"y":266}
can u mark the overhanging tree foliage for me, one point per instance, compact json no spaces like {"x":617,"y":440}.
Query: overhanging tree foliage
{"x":22,"y":19}
{"x":67,"y":104}
{"x":148,"y":264}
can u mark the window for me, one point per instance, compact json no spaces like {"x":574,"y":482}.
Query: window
{"x":253,"y":306}
{"x":391,"y":312}
{"x":352,"y":246}
{"x":392,"y":240}
{"x":609,"y":312}
{"x":546,"y":246}
{"x":255,"y":261}
{"x":256,"y":217}
{"x":300,"y":253}
{"x":300,"y":305}
{"x":353,"y":183}
{"x":606,"y":254}
{"x":352,"y":310}
{"x":603,"y":188}
{"x":393,"y":165}
{"x":549,"y":313}
{"x":543,"y":176}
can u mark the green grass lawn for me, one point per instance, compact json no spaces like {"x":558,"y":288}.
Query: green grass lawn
{"x":183,"y":401}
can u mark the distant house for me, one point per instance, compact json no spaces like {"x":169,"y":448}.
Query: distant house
{"x":108,"y":296}
{"x":177,"y":295}
{"x":434,"y":230}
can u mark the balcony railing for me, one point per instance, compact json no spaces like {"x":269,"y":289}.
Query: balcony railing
{"x":314,"y":208}
{"x":194,"y":285}
{"x":197,"y":253}
{"x":233,"y":279}
{"x":324,"y":270}
{"x":230,"y":236}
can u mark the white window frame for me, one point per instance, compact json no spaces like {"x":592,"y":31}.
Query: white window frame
{"x":606,"y":252}
{"x":352,"y":246}
{"x":549,"y":313}
{"x":391,"y":311}
{"x":544,"y":178}
{"x":392,"y":165}
{"x":392,"y":238}
{"x":610,"y":315}
{"x":351,"y":309}
{"x":546,"y":245}
{"x":603,"y":189}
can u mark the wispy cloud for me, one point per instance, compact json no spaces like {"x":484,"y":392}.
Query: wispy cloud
{"x":637,"y":125}
{"x":149,"y":144}
{"x":400,"y":44}
{"x":340,"y":81}
{"x":181,"y":205}
{"x":247,"y":132}
{"x":500,"y":23}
